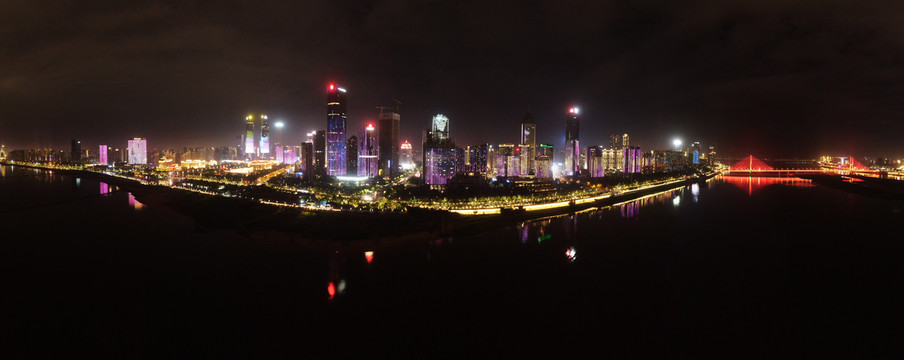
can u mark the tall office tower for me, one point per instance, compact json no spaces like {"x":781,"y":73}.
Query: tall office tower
{"x":351,"y":153}
{"x":612,"y":160}
{"x":525,"y":152}
{"x":138,"y":151}
{"x":633,"y":160}
{"x":625,"y":142}
{"x":290,"y":154}
{"x":439,"y":152}
{"x":249,"y":135}
{"x":368,"y":152}
{"x":280,"y":154}
{"x":319,"y":141}
{"x":508,"y":160}
{"x":307,"y":158}
{"x":388,"y":128}
{"x":595,"y":161}
{"x":529,"y":137}
{"x":696,"y":152}
{"x":406,"y":156}
{"x":461,"y":160}
{"x":3,"y":152}
{"x":335,"y":130}
{"x":76,"y":155}
{"x":544,"y":158}
{"x":265,"y":136}
{"x":572,"y":144}
{"x":102,"y":155}
{"x":478,"y":157}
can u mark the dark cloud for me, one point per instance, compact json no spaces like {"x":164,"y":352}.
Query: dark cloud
{"x":779,"y":78}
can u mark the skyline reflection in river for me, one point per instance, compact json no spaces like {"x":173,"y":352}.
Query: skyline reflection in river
{"x":789,"y":268}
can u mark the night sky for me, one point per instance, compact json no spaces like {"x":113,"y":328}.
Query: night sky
{"x":775,"y":78}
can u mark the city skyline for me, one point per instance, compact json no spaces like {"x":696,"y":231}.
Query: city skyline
{"x":765,"y":79}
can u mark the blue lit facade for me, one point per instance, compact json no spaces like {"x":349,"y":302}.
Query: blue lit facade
{"x":335,"y":131}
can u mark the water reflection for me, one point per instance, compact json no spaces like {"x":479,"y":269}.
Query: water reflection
{"x":631,"y":210}
{"x":336,"y":279}
{"x":135,"y":204}
{"x":754,"y":184}
{"x":571,"y":254}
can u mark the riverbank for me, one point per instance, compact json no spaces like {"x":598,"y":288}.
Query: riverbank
{"x":259,"y":220}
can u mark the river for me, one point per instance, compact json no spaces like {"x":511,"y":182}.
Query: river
{"x":734,"y":267}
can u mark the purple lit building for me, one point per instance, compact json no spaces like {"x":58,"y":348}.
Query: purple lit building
{"x":595,"y":165}
{"x":290,"y":155}
{"x":102,"y":155}
{"x":633,"y":159}
{"x":138,"y":151}
{"x":439,"y":152}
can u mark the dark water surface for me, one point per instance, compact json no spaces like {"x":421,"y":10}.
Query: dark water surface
{"x":736,"y":267}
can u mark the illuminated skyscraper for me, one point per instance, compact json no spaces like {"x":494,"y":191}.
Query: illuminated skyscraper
{"x":508,"y":160}
{"x":572,"y":144}
{"x":249,"y":135}
{"x":612,"y":159}
{"x":625,"y":141}
{"x":478,"y":157}
{"x":406,"y":155}
{"x":388,"y":128}
{"x":633,"y":160}
{"x":335,"y":130}
{"x":265,"y":136}
{"x":368,"y":155}
{"x":280,"y":154}
{"x":544,"y":161}
{"x":102,"y":155}
{"x":595,"y":166}
{"x":138,"y":151}
{"x":439,"y":152}
{"x":529,"y":137}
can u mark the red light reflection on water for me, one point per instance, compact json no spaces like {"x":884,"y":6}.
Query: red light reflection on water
{"x":331,"y":289}
{"x":754,"y":184}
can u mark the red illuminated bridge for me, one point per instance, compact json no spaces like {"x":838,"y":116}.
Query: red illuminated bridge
{"x":751,"y":166}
